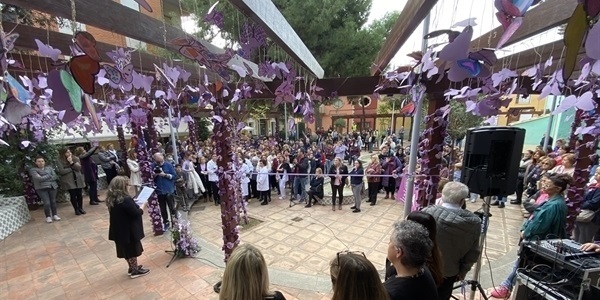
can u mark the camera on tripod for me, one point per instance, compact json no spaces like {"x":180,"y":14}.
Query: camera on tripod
{"x":158,"y":170}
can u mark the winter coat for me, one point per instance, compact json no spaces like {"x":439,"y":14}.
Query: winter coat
{"x":70,"y":175}
{"x":458,"y":232}
{"x":135,"y":178}
{"x":373,"y":169}
{"x":43,"y":178}
{"x":591,"y":201}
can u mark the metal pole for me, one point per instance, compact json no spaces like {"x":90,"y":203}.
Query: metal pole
{"x":550,"y":121}
{"x":414,"y":137}
{"x":286,"y":121}
{"x":393,"y":109}
{"x":173,"y":141}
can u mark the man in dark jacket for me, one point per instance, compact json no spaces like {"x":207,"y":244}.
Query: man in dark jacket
{"x":458,"y":232}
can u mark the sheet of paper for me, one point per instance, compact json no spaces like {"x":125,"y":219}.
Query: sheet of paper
{"x":144,"y":195}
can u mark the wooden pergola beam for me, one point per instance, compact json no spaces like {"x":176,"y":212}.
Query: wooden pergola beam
{"x":266,"y":14}
{"x":411,"y":16}
{"x":540,"y":18}
{"x":537,"y":55}
{"x":114,"y":17}
{"x":142,"y":61}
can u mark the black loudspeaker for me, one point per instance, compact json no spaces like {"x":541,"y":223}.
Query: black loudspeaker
{"x":491,"y":160}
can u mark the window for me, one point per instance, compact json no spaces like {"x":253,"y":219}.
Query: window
{"x":131,"y":4}
{"x":524,"y":117}
{"x":523,"y":100}
{"x":133,"y":43}
{"x":66,"y":27}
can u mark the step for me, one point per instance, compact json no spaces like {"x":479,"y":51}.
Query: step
{"x":13,"y":215}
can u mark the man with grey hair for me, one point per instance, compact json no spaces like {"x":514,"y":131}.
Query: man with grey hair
{"x":458,"y":232}
{"x":408,"y":250}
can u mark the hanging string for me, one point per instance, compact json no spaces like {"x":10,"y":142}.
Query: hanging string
{"x":73,"y":18}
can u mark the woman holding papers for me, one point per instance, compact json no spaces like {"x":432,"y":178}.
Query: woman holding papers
{"x":125,"y":226}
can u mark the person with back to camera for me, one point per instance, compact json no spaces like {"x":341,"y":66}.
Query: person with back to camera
{"x":246,"y":276}
{"x":434,"y":264}
{"x":354,"y":277}
{"x":125,"y":225}
{"x":90,"y":172}
{"x":409,"y":249}
{"x":458,"y":235}
{"x":547,"y":221}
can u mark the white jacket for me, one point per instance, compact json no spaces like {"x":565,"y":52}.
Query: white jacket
{"x":135,"y":178}
{"x":262,"y":179}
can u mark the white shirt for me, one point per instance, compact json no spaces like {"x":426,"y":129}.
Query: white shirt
{"x":211,"y":169}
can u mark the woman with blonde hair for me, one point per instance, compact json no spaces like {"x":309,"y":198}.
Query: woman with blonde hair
{"x":246,"y":276}
{"x":125,"y":225}
{"x":354,"y":277}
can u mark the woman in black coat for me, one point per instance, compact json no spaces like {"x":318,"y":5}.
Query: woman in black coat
{"x":316,"y":188}
{"x":125,"y":226}
{"x":338,"y":174}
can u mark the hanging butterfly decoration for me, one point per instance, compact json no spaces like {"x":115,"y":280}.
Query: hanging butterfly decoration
{"x":214,"y":17}
{"x":7,"y":44}
{"x":408,"y":107}
{"x":252,"y":37}
{"x":122,"y":72}
{"x":510,"y":14}
{"x":85,"y":67}
{"x":465,"y":64}
{"x":580,"y":24}
{"x":195,"y":50}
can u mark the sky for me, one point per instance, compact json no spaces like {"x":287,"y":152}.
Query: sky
{"x":448,"y":12}
{"x":443,"y":16}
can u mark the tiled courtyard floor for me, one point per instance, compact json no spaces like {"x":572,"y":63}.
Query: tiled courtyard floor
{"x":73,"y":259}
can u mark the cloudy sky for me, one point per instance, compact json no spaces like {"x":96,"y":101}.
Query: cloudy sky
{"x":443,"y":16}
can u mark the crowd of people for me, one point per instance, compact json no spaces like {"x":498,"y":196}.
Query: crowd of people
{"x":427,"y":253}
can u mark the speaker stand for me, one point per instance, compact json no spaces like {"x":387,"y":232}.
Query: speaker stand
{"x":475,"y":285}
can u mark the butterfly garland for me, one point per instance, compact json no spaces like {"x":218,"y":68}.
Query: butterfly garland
{"x":510,"y":14}
{"x":579,"y":25}
{"x":194,"y":50}
{"x":465,"y":64}
{"x":85,"y":67}
{"x":122,"y":72}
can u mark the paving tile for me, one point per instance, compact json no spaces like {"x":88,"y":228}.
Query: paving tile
{"x":73,"y":259}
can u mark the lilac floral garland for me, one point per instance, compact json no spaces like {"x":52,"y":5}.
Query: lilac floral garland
{"x":143,"y":158}
{"x":222,"y":133}
{"x":585,"y":155}
{"x":122,"y":143}
{"x":186,"y":245}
